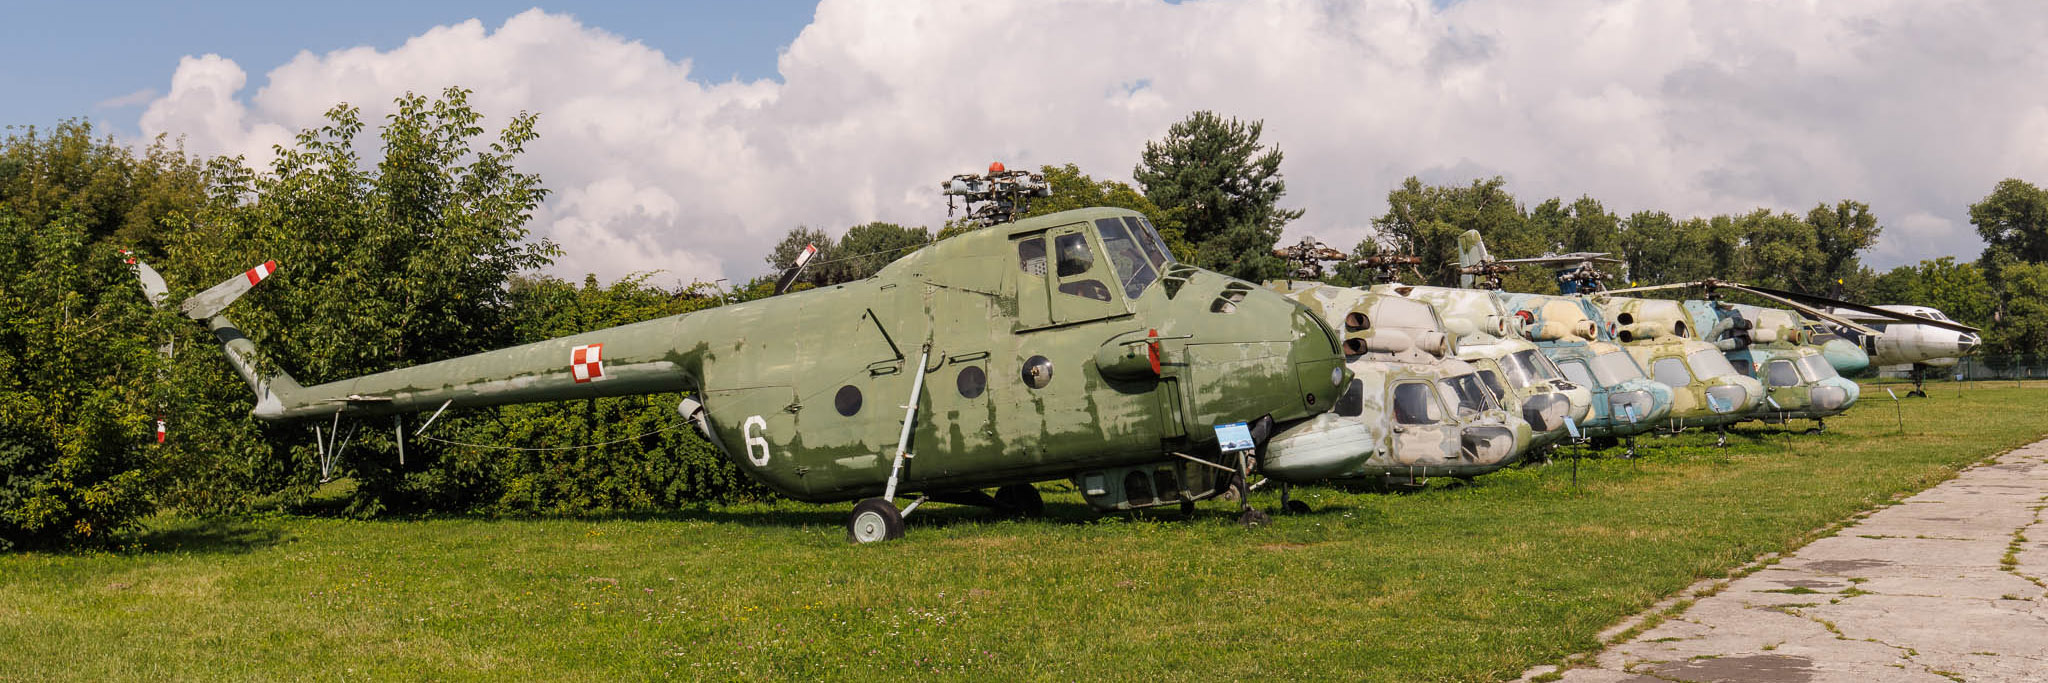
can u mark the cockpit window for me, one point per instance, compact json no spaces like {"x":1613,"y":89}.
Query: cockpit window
{"x":1493,"y":383}
{"x":1413,"y":404}
{"x":1464,"y":392}
{"x":1129,"y":260}
{"x":1670,"y":371}
{"x":1782,"y":374}
{"x":1575,"y":370}
{"x":1816,"y":368}
{"x":1710,"y":363}
{"x":1031,"y":256}
{"x":1615,"y":367}
{"x":1153,"y":251}
{"x":1075,"y":256}
{"x":1147,"y":234}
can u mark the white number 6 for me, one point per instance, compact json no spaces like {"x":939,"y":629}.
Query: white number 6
{"x":754,"y":440}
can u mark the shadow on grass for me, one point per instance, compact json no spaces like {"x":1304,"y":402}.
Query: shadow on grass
{"x":209,"y":535}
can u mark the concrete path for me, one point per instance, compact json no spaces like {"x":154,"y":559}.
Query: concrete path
{"x":1951,"y":585}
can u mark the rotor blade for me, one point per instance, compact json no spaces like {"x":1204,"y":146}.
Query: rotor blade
{"x":1803,"y":308}
{"x":1653,"y":288}
{"x":1906,"y":318}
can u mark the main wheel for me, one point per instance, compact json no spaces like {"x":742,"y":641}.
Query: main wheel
{"x":1254,"y":518}
{"x":1295,"y":507}
{"x":1021,"y":500}
{"x":874,"y":520}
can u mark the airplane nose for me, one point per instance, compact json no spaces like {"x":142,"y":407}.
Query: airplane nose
{"x":1965,"y":343}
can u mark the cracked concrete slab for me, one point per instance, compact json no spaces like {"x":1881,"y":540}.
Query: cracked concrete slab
{"x":1950,"y":584}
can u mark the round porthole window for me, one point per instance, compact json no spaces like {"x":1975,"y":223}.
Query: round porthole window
{"x":848,"y":400}
{"x":1038,"y":372}
{"x":971,"y":381}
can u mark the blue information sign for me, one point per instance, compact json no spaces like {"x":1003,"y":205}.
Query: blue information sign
{"x":1233,"y":437}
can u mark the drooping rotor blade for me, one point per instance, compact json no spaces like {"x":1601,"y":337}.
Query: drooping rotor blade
{"x":1906,"y":318}
{"x":1582,"y":257}
{"x":1654,"y":288}
{"x":1802,"y":308}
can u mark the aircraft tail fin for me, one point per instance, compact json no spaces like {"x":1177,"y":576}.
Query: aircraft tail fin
{"x":1471,"y":252}
{"x":271,"y":388}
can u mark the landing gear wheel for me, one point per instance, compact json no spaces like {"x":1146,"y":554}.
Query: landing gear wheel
{"x":1295,"y":507}
{"x":1253,"y":518}
{"x":1916,"y":392}
{"x":1819,"y":427}
{"x":874,"y":520}
{"x":1021,"y":500}
{"x":1187,"y":509}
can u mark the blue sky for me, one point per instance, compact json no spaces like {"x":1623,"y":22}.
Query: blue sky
{"x":65,"y":59}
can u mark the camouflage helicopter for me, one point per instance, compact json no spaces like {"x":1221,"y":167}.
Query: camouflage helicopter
{"x":1492,"y":340}
{"x":1482,"y":333}
{"x":1412,"y":410}
{"x":1572,"y":332}
{"x":1070,"y":345}
{"x":1777,"y":347}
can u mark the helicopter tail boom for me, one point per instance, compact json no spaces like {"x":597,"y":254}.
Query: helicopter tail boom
{"x":632,"y":359}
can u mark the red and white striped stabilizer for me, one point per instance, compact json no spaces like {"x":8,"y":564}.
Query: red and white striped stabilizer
{"x":257,"y":274}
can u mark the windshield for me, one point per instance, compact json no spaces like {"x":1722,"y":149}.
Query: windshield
{"x":1492,"y":381}
{"x":1816,"y":368}
{"x":1464,"y":392}
{"x":1710,"y":363}
{"x":1615,"y":367}
{"x":1130,"y":261}
{"x":1532,"y":363}
{"x":1155,"y":246}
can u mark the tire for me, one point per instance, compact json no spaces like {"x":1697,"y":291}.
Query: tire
{"x":874,"y":520}
{"x":1295,"y":507}
{"x":1021,"y":500}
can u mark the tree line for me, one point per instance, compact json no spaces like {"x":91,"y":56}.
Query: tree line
{"x":423,"y":253}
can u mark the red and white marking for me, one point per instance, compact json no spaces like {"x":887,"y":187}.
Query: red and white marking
{"x":809,"y":251}
{"x":586,"y":363}
{"x":159,"y":430}
{"x":258,"y":273}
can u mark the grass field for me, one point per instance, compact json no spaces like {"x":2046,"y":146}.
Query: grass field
{"x":1459,"y":582}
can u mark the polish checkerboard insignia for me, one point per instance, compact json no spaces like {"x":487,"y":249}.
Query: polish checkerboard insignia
{"x":586,"y":363}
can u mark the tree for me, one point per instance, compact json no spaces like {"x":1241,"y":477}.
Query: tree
{"x":784,"y":255}
{"x":2013,"y":220}
{"x":1224,"y":186}
{"x":402,"y":263}
{"x":1072,"y":189}
{"x":1957,"y":289}
{"x":865,"y":249}
{"x":1425,"y":221}
{"x":2023,"y":328}
{"x":1840,"y":233}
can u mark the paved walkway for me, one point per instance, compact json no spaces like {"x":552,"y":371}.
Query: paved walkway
{"x":1952,"y":585}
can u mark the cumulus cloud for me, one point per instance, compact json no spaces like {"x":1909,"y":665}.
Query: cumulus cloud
{"x":1690,"y":107}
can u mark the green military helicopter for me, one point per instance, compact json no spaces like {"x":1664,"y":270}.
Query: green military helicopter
{"x":1070,"y":345}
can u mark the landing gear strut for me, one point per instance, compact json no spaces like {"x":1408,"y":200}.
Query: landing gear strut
{"x":1250,"y":517}
{"x":1289,"y":505}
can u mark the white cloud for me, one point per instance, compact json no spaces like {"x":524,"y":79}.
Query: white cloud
{"x":139,"y":97}
{"x":1695,"y":108}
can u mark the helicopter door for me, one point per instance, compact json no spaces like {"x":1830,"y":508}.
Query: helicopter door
{"x":1420,"y":435}
{"x":1081,"y":277}
{"x":1033,"y":309}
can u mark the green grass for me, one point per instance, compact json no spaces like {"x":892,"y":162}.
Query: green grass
{"x":1465,"y":582}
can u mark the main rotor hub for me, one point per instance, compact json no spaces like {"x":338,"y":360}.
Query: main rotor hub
{"x":1000,"y":196}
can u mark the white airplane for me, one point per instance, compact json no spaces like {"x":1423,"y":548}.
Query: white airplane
{"x":1938,"y":343}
